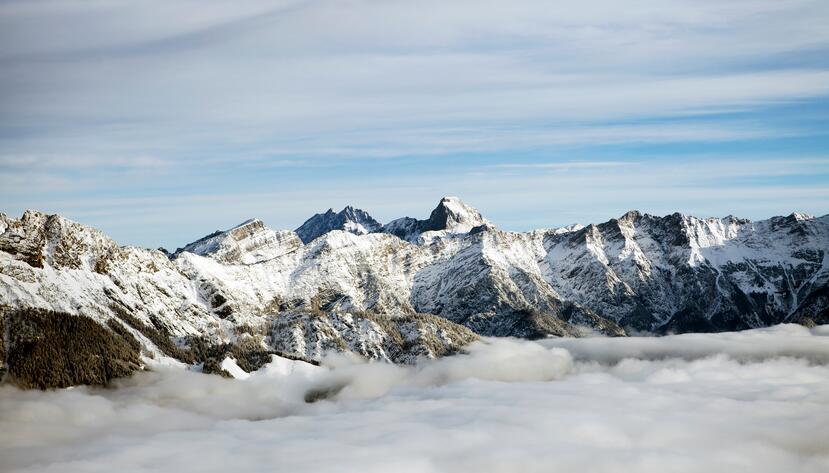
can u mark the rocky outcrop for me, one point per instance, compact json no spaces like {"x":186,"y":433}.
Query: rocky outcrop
{"x":398,"y":339}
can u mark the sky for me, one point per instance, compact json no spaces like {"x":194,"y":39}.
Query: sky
{"x":159,"y":122}
{"x":754,"y":401}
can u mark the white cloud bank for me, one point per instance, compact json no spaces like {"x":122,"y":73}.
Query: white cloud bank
{"x":754,"y":401}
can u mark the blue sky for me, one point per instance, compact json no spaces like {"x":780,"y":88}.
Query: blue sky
{"x":158,"y":122}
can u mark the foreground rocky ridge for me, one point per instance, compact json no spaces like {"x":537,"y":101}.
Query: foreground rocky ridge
{"x":358,"y":286}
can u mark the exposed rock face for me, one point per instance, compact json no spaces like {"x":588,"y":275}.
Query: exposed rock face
{"x":363,"y":292}
{"x":49,"y":240}
{"x":401,"y":339}
{"x":349,"y":219}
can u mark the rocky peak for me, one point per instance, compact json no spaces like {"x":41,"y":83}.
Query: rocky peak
{"x":40,"y":239}
{"x":247,"y":229}
{"x":567,"y":229}
{"x":631,"y":216}
{"x":732,"y":220}
{"x":800,"y":217}
{"x":454,"y":215}
{"x":795,"y":223}
{"x":349,"y":219}
{"x":451,"y":215}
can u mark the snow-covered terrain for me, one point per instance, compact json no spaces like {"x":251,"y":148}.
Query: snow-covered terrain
{"x":351,"y":284}
{"x":754,"y":401}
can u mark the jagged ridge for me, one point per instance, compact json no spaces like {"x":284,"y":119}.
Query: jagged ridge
{"x":642,"y":272}
{"x":349,"y":219}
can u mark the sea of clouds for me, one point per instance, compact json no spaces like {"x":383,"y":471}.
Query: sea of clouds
{"x":750,"y":401}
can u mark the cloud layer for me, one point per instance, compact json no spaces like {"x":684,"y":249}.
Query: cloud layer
{"x":755,"y":401}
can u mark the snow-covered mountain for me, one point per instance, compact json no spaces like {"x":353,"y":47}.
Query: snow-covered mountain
{"x":250,"y":242}
{"x":451,"y":216}
{"x":349,"y":219}
{"x":367,"y":290}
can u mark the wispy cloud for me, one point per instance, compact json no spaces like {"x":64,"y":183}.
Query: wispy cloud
{"x":565,"y":165}
{"x":76,"y":161}
{"x":391,"y":104}
{"x":294,"y":71}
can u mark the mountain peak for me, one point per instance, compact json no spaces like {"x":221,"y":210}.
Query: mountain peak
{"x":349,"y":219}
{"x":800,"y":217}
{"x":251,"y":222}
{"x":42,"y":239}
{"x":247,"y":243}
{"x":631,"y":215}
{"x":451,"y":215}
{"x":454,"y":215}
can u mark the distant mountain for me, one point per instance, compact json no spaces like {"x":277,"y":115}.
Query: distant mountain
{"x":349,"y":219}
{"x":451,"y":216}
{"x":249,"y":242}
{"x":356,"y":285}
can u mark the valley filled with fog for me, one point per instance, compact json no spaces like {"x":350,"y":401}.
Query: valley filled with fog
{"x":744,"y":401}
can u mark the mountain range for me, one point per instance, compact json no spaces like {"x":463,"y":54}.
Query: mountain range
{"x":398,"y":291}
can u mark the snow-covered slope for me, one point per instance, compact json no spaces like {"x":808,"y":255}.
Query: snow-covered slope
{"x":689,"y":274}
{"x":360,"y":291}
{"x":247,"y":243}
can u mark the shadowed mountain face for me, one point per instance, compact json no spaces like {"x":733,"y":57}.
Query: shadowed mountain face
{"x":680,"y":273}
{"x":352,"y":284}
{"x":451,"y":216}
{"x":348,"y":219}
